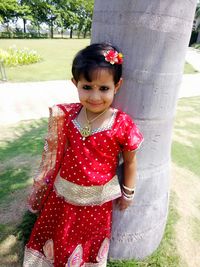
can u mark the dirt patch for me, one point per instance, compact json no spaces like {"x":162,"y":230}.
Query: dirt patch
{"x":13,"y":211}
{"x":187,"y":187}
{"x":22,"y":161}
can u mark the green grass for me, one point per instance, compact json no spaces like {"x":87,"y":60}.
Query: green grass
{"x":195,"y":228}
{"x":27,"y":139}
{"x":188,"y":69}
{"x":186,"y":152}
{"x":57,"y":57}
{"x":197,"y":46}
{"x":11,"y":180}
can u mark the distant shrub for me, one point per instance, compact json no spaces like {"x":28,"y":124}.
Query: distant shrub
{"x":14,"y":56}
{"x":197,"y":46}
{"x":21,"y":35}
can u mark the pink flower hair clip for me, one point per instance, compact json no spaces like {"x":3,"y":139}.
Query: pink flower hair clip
{"x":113,"y":57}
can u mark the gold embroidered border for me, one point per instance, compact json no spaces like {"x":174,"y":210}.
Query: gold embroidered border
{"x":33,"y":258}
{"x":98,"y":264}
{"x":87,"y":195}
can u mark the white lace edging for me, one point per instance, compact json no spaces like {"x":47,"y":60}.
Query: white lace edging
{"x":100,"y":129}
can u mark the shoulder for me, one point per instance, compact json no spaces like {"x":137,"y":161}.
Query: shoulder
{"x":124,"y":118}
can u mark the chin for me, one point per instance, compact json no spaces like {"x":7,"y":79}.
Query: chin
{"x":96,"y":108}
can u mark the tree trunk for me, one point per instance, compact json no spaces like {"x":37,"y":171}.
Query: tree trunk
{"x":85,"y":33}
{"x":24,"y":23}
{"x":71,"y":32}
{"x":51,"y":29}
{"x":153,"y":35}
{"x":198,"y":38}
{"x":38,"y":28}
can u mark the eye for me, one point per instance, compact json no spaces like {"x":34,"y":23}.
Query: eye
{"x":86,"y":87}
{"x":104,"y":88}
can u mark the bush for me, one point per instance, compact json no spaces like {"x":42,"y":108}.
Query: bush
{"x":14,"y":56}
{"x":197,"y":46}
{"x":21,"y":35}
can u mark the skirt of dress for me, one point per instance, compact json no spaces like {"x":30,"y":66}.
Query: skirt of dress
{"x":68,"y":235}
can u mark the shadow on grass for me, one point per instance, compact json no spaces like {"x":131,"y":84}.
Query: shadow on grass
{"x":186,"y":144}
{"x":11,"y":180}
{"x":27,"y":139}
{"x":11,"y":249}
{"x":186,"y":157}
{"x":13,"y":240}
{"x":23,"y":230}
{"x":30,"y":139}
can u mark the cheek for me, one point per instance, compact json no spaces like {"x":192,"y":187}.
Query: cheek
{"x":82,"y":95}
{"x":109,"y":96}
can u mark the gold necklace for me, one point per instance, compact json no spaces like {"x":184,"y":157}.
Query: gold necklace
{"x":87,"y":129}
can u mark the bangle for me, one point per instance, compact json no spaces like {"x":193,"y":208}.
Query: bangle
{"x":128,"y":196}
{"x":128,"y":188}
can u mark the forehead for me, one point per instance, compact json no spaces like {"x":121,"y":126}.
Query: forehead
{"x":101,"y":75}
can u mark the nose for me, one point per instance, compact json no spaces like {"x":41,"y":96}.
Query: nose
{"x":95,"y":96}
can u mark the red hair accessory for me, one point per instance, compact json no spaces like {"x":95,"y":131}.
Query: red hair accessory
{"x":113,"y":57}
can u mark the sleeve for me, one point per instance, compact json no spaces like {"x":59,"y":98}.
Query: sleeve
{"x":130,"y":137}
{"x":51,"y":159}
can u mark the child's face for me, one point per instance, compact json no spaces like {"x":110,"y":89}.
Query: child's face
{"x":97,"y":95}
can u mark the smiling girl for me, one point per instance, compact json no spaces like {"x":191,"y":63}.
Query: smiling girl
{"x":77,"y":181}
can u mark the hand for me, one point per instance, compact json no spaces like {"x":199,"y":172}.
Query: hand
{"x":122,"y":203}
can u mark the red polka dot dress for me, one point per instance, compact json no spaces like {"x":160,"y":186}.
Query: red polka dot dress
{"x":74,"y":225}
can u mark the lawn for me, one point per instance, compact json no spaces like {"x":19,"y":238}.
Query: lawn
{"x":57,"y":55}
{"x":188,"y":69}
{"x":20,"y":151}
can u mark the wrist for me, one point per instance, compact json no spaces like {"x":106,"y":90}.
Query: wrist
{"x":128,"y":193}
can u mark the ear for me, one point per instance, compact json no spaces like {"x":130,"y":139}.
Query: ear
{"x":118,"y":85}
{"x":74,"y":81}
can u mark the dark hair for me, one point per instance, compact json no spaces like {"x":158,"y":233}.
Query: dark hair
{"x":91,"y":58}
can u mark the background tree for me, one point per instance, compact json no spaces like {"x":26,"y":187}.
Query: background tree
{"x":24,"y":12}
{"x":85,"y":12}
{"x":153,"y":36}
{"x":63,"y":14}
{"x":8,"y":10}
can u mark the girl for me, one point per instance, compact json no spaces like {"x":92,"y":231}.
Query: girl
{"x":77,"y":182}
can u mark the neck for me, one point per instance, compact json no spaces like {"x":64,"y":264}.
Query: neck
{"x":94,"y":116}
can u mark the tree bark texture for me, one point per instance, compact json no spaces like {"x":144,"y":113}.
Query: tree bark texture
{"x":153,"y":36}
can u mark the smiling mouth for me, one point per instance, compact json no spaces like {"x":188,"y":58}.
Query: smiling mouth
{"x":95,"y":104}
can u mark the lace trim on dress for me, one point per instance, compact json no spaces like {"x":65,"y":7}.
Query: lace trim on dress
{"x":97,"y":264}
{"x":33,"y":258}
{"x":87,"y":195}
{"x":100,"y":129}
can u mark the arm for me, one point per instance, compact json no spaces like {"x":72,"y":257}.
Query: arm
{"x":129,"y":177}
